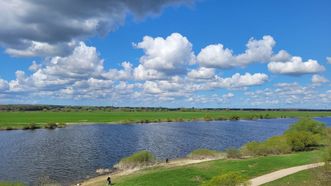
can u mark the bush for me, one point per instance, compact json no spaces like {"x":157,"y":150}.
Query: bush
{"x":233,"y":153}
{"x":205,"y":154}
{"x":138,"y":159}
{"x":51,"y":126}
{"x":31,"y":127}
{"x":308,"y":125}
{"x":234,"y":118}
{"x":274,"y":145}
{"x":208,"y":118}
{"x":302,"y":140}
{"x":228,"y":179}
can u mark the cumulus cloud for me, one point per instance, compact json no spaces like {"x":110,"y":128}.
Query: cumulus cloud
{"x":216,"y":56}
{"x":295,"y":66}
{"x":328,"y":59}
{"x":285,"y":95}
{"x":47,"y":27}
{"x":164,"y":57}
{"x":239,"y":81}
{"x":59,"y":72}
{"x":125,"y":74}
{"x":282,"y":55}
{"x":257,"y":50}
{"x":210,"y":99}
{"x":166,"y":73}
{"x":3,"y":85}
{"x":201,"y":73}
{"x":317,"y":79}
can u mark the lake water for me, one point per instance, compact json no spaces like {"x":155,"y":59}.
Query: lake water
{"x":75,"y":152}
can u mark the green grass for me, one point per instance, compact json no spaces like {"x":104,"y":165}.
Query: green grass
{"x":16,"y":120}
{"x":197,"y":173}
{"x":305,"y":177}
{"x":204,"y":153}
{"x":141,"y":158}
{"x":11,"y":184}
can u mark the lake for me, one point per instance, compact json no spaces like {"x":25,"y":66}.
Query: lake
{"x":75,"y":152}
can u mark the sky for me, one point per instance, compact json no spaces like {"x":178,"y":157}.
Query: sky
{"x":167,"y":53}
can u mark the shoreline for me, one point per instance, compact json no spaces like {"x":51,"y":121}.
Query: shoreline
{"x":63,"y":125}
{"x":31,"y":120}
{"x":172,"y":163}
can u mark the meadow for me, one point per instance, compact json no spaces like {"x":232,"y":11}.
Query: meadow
{"x":196,"y":174}
{"x":40,"y":119}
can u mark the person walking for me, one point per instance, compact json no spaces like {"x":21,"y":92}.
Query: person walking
{"x":109,"y":180}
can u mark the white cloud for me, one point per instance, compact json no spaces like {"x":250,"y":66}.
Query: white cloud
{"x":3,"y":85}
{"x":257,"y":51}
{"x":317,"y":79}
{"x":35,"y":66}
{"x":201,"y":73}
{"x":288,"y":95}
{"x":281,"y":56}
{"x":296,"y":67}
{"x":328,"y":59}
{"x":236,"y":81}
{"x":210,"y":99}
{"x":164,"y":57}
{"x":59,"y":72}
{"x":141,"y":73}
{"x":124,"y":74}
{"x":216,"y":56}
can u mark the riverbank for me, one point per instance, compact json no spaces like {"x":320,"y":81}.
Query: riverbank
{"x":42,"y":119}
{"x":195,"y":172}
{"x":120,"y":173}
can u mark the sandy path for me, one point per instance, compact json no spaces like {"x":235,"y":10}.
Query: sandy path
{"x":172,"y":163}
{"x":281,"y":173}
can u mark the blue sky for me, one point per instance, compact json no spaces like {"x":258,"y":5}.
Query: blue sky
{"x":205,"y":53}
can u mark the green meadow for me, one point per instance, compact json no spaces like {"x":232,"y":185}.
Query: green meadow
{"x":21,"y":119}
{"x":196,"y":174}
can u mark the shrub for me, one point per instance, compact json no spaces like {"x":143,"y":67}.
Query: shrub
{"x":273,"y":145}
{"x":51,"y":126}
{"x":308,"y":125}
{"x":138,"y":159}
{"x":234,"y":118}
{"x":208,"y":118}
{"x":9,"y":128}
{"x":277,"y":145}
{"x":302,"y":140}
{"x":233,"y":153}
{"x":31,"y":127}
{"x":204,"y":154}
{"x":228,"y":179}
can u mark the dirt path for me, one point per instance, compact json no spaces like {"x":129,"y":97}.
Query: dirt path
{"x":172,"y":163}
{"x":281,"y":173}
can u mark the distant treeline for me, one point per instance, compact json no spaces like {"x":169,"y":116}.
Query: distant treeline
{"x":67,"y":108}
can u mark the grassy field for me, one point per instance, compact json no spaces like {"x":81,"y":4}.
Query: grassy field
{"x":197,"y":173}
{"x":11,"y":184}
{"x":305,"y":177}
{"x":20,"y":119}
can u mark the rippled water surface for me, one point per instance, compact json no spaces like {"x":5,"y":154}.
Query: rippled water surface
{"x":75,"y":152}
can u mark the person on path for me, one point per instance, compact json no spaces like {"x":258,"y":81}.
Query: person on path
{"x":109,"y":181}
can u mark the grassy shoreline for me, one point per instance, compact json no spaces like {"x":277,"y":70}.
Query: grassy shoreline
{"x":196,"y":173}
{"x":40,"y":119}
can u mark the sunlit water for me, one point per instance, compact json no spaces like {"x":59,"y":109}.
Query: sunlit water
{"x":75,"y":152}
